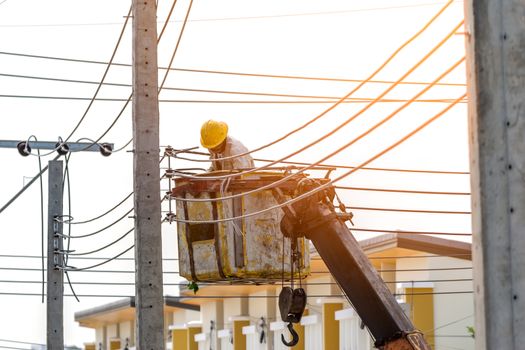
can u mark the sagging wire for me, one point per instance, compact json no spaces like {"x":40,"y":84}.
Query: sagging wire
{"x":399,"y":210}
{"x":411,"y":232}
{"x":9,"y":202}
{"x":331,"y":182}
{"x":167,"y":20}
{"x":390,"y":116}
{"x":302,"y":170}
{"x":103,"y":214}
{"x":401,"y":191}
{"x":230,"y":92}
{"x":312,"y":272}
{"x":99,"y":249}
{"x":459,"y":255}
{"x":340,"y":166}
{"x":230,"y":284}
{"x":176,"y":46}
{"x":232,"y":296}
{"x":105,"y":73}
{"x":100,"y":230}
{"x":390,"y":58}
{"x":92,"y":100}
{"x":67,"y":268}
{"x":131,"y":95}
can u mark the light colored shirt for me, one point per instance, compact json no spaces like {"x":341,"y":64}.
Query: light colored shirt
{"x":232,"y":147}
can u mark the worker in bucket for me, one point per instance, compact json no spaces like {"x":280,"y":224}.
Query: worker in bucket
{"x":214,"y":137}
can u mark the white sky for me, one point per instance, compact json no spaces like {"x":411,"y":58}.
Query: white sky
{"x":339,"y":39}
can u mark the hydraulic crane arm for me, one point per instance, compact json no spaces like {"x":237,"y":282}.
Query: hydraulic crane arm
{"x":315,"y":217}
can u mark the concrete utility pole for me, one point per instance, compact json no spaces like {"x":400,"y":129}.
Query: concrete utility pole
{"x":55,"y":219}
{"x":55,"y":276}
{"x":496,"y":82}
{"x":148,"y":239}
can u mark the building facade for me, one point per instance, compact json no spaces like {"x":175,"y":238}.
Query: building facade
{"x":431,"y":278}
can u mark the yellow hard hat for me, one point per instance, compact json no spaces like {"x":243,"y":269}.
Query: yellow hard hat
{"x":213,"y":133}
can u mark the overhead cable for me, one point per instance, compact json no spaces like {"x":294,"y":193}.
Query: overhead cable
{"x":101,"y":248}
{"x":222,"y":19}
{"x":437,"y":233}
{"x":234,"y":283}
{"x":333,"y":131}
{"x":71,"y":268}
{"x":28,"y":269}
{"x":399,"y":210}
{"x":103,"y":214}
{"x":176,"y":46}
{"x":371,"y":81}
{"x":371,"y":76}
{"x":103,"y":75}
{"x":100,"y":230}
{"x":312,"y":258}
{"x":37,"y":176}
{"x":185,"y":297}
{"x":331,"y":101}
{"x":443,"y":172}
{"x":302,"y":170}
{"x":331,"y":182}
{"x":448,"y":193}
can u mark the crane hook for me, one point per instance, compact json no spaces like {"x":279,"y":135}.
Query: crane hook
{"x":295,"y":336}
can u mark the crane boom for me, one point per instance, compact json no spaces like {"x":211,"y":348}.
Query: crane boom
{"x":315,"y":217}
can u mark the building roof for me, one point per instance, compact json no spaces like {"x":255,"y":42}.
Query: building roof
{"x":417,"y":243}
{"x":123,"y":310}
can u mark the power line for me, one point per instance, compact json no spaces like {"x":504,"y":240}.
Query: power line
{"x":339,"y":166}
{"x":12,"y":347}
{"x":344,"y":175}
{"x":104,"y":75}
{"x":221,"y":19}
{"x":398,"y":210}
{"x":71,"y":268}
{"x":176,"y":46}
{"x":177,"y":272}
{"x":402,"y":191}
{"x":231,"y":296}
{"x":37,"y":176}
{"x":285,"y":178}
{"x":312,"y":258}
{"x":20,"y":342}
{"x":108,"y":99}
{"x":411,"y":232}
{"x":325,"y":136}
{"x":101,"y":248}
{"x":102,"y":229}
{"x":75,"y":257}
{"x":103,"y":214}
{"x":188,"y":70}
{"x":354,"y":116}
{"x":79,"y":81}
{"x":240,"y":283}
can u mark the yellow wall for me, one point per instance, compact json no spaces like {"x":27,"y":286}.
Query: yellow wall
{"x":422,"y":310}
{"x":239,"y":339}
{"x":179,"y":339}
{"x":192,"y":344}
{"x":331,"y":326}
{"x":114,"y":344}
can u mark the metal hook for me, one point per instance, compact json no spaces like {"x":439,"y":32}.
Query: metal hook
{"x":295,"y":336}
